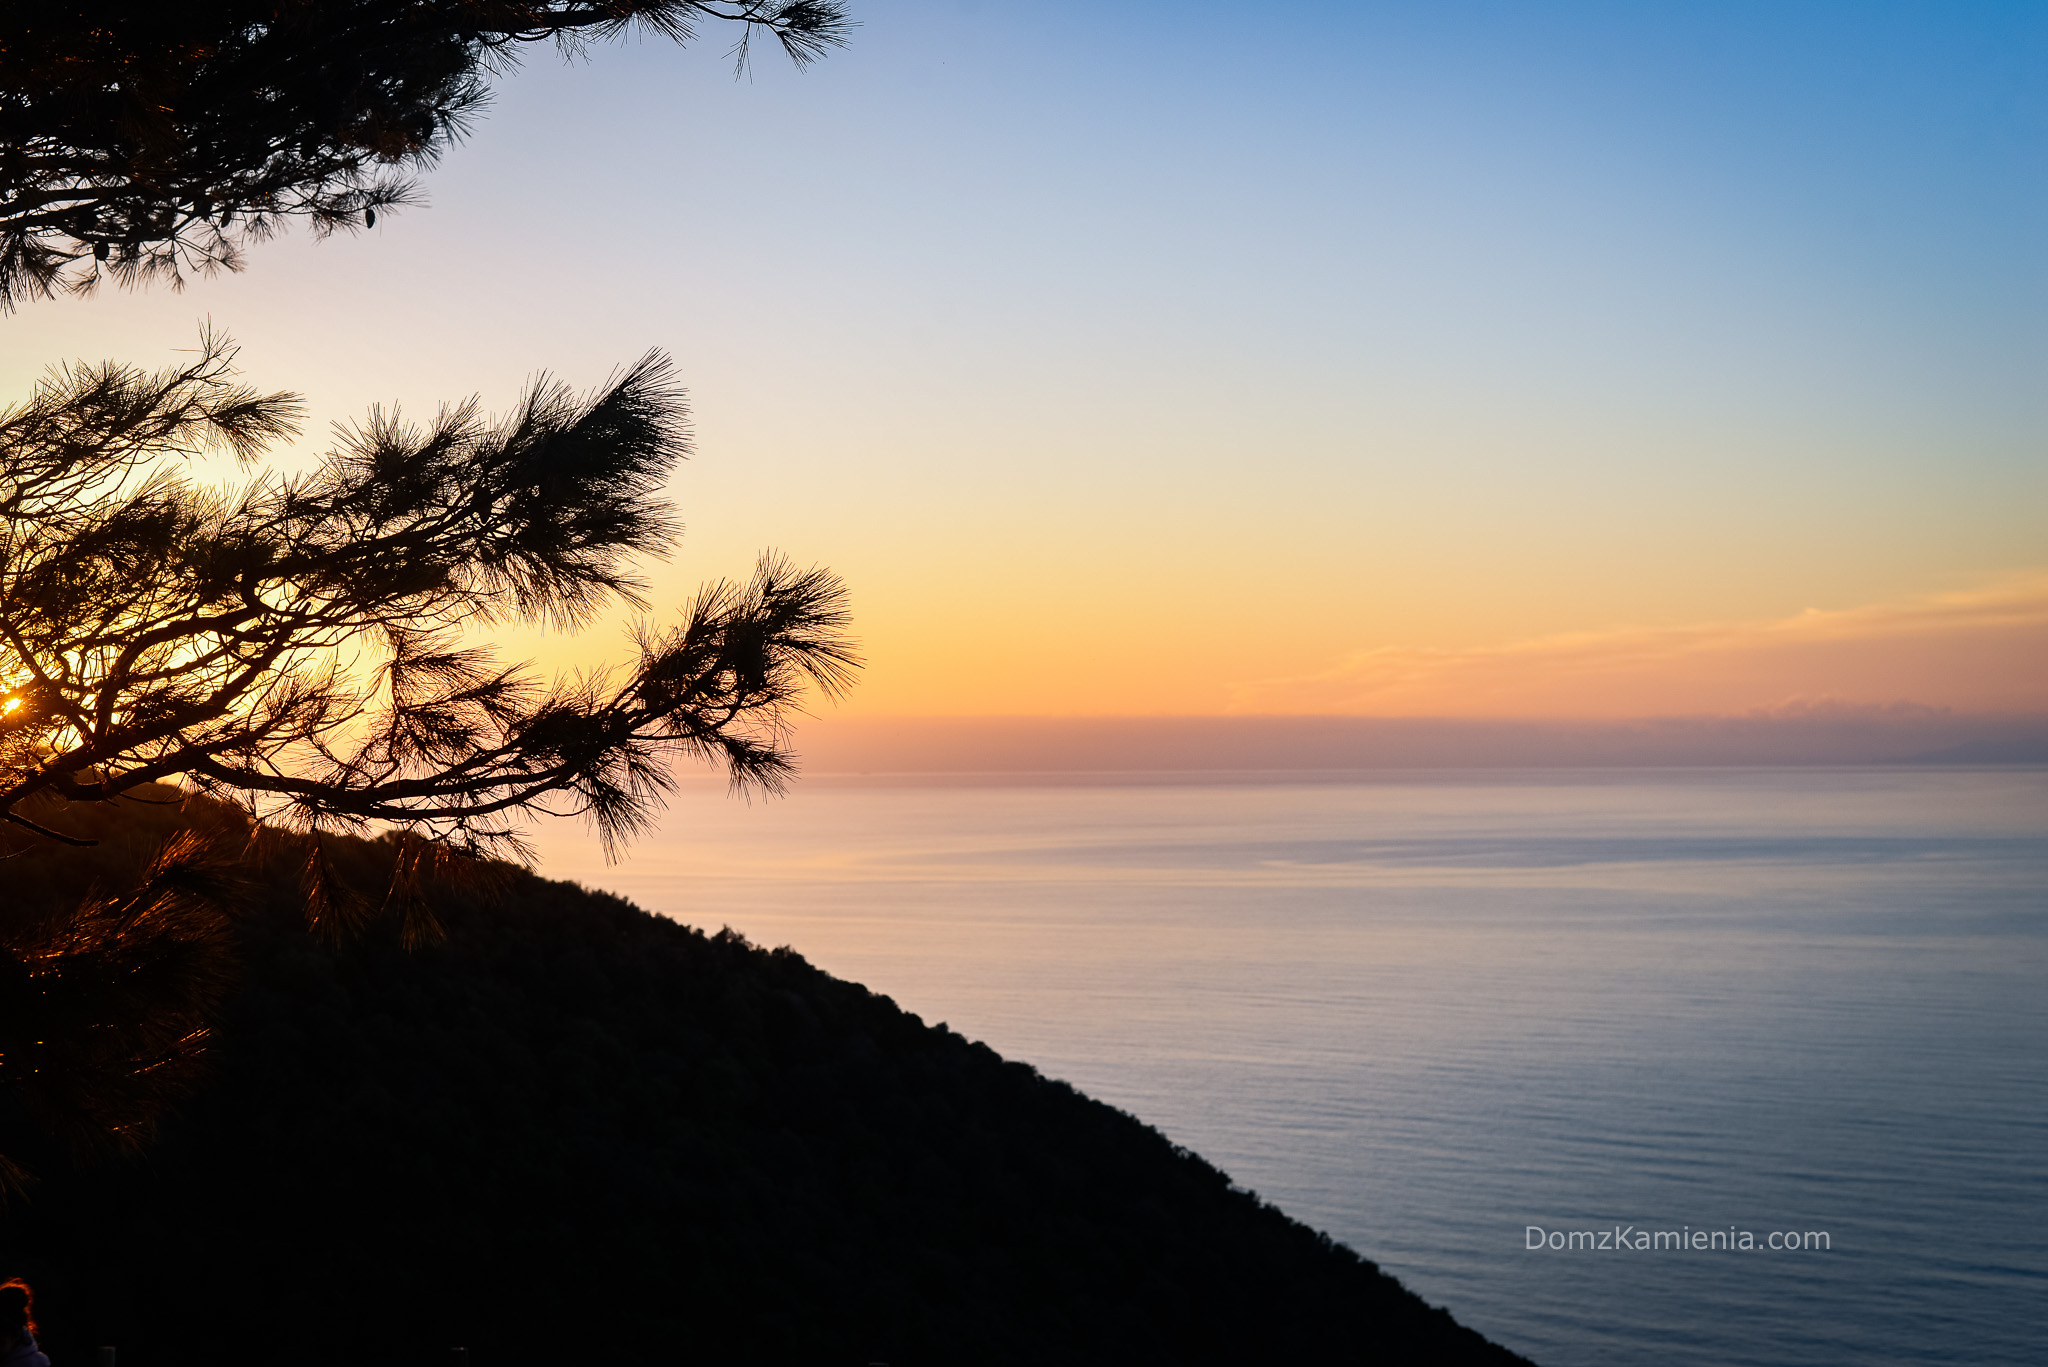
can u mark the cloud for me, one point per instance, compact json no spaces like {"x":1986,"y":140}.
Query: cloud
{"x":1983,"y":650}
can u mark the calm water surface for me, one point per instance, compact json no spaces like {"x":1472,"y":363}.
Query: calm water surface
{"x":1425,"y":1012}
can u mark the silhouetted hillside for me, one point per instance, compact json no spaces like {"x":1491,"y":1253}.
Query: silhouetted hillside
{"x":575,"y":1132}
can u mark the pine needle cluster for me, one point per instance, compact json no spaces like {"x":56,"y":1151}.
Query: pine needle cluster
{"x":147,"y":141}
{"x":296,"y":644}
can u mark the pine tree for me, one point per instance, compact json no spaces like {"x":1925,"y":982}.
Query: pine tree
{"x":293,"y":647}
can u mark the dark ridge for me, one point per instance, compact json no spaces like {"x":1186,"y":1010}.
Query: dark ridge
{"x":575,"y":1132}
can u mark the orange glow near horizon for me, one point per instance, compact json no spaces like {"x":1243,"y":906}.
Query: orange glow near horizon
{"x":1982,"y":650}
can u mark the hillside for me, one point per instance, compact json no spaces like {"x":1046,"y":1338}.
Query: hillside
{"x":577,"y":1132}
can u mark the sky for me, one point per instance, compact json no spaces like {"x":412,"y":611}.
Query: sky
{"x":1401,"y":359}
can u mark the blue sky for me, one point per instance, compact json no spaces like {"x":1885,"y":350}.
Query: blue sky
{"x":1146,"y":335}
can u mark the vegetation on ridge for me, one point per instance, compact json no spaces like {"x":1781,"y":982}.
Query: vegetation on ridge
{"x":576,"y":1131}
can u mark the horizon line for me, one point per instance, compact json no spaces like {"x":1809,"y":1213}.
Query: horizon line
{"x":1296,"y":743}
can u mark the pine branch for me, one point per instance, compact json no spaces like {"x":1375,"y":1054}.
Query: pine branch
{"x":147,"y":143}
{"x":151,"y":629}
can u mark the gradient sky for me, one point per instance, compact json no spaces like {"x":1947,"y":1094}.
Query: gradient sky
{"x":1475,"y":359}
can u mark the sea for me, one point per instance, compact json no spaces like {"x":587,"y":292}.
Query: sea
{"x":1458,"y":1018}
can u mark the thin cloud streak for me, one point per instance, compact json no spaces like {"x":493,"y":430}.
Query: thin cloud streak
{"x":1984,"y":649}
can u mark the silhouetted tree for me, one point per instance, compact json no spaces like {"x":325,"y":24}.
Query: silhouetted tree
{"x":292,"y":644}
{"x":148,"y":139}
